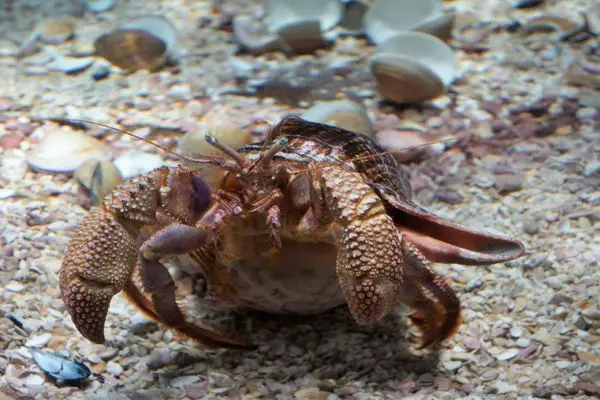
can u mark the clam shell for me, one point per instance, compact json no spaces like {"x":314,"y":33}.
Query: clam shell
{"x":99,"y":6}
{"x":343,"y":114}
{"x":285,"y":12}
{"x":98,"y":178}
{"x":302,"y":36}
{"x":55,"y":30}
{"x":64,"y":151}
{"x":132,"y":49}
{"x":428,"y":50}
{"x":386,"y":18}
{"x":141,"y":43}
{"x":354,"y":13}
{"x":404,"y":80}
{"x":439,"y":25}
{"x":158,"y":26}
{"x":248,"y":34}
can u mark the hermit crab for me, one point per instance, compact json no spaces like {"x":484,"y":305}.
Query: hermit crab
{"x":312,"y":218}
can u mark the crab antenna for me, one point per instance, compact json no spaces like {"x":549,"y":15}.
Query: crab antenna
{"x":217,"y":161}
{"x":278,"y":145}
{"x":268,"y":138}
{"x":228,"y":151}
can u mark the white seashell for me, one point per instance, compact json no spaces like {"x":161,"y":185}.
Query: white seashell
{"x":248,"y":34}
{"x":158,"y":26}
{"x":425,"y":49}
{"x":194,"y":142}
{"x":39,"y":340}
{"x":136,"y":163}
{"x":70,"y":65}
{"x":405,"y":80}
{"x":302,"y":36}
{"x":98,"y":178}
{"x":386,"y":18}
{"x":343,"y":114}
{"x":99,"y":6}
{"x":285,"y":12}
{"x":65,"y":150}
{"x":439,"y":25}
{"x":55,"y":30}
{"x":507,"y":354}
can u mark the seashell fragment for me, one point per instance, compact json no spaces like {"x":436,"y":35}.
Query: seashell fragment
{"x":142,"y":43}
{"x":135,"y":163}
{"x":64,"y":151}
{"x":549,"y":23}
{"x":70,"y":65}
{"x":55,"y":30}
{"x":284,"y":12}
{"x":439,"y":25}
{"x":412,"y":67}
{"x":59,"y":367}
{"x":248,"y":34}
{"x":98,"y":178}
{"x":98,"y":6}
{"x":354,"y":13}
{"x":158,"y":26}
{"x":343,"y":114}
{"x":386,"y":18}
{"x":302,"y":36}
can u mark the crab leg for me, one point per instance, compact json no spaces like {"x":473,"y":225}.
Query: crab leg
{"x":172,"y":240}
{"x":437,"y":309}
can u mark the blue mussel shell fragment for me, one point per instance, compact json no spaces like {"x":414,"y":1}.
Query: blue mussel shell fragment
{"x":59,"y":367}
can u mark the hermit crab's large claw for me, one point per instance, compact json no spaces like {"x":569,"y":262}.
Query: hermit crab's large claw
{"x":109,"y":244}
{"x":98,"y":263}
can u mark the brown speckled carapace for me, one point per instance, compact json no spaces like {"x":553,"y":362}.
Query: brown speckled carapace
{"x":300,"y":225}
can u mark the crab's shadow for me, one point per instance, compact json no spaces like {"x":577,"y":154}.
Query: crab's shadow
{"x":326,"y":346}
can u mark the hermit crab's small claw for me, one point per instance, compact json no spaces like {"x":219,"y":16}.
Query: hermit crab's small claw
{"x":447,"y":242}
{"x":98,"y":263}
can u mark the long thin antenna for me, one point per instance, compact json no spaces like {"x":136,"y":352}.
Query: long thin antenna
{"x":214,"y":160}
{"x":367,"y":156}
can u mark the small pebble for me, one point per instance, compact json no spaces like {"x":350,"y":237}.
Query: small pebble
{"x":592,"y":168}
{"x":39,"y":341}
{"x":184,"y":381}
{"x":516,"y":332}
{"x":508,"y":183}
{"x":507,"y":355}
{"x":101,"y":72}
{"x":591,"y":313}
{"x":114,"y":369}
{"x":527,"y":3}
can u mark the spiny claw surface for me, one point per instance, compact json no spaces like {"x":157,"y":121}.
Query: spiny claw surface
{"x":97,"y":265}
